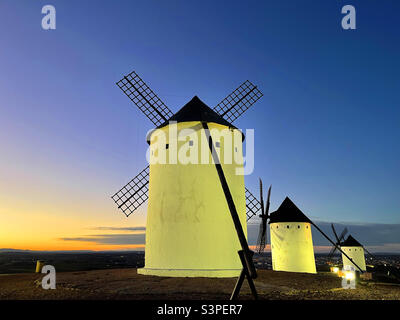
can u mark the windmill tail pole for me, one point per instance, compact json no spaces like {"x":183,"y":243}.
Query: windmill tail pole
{"x":369,"y":253}
{"x":248,"y":254}
{"x":336,"y":246}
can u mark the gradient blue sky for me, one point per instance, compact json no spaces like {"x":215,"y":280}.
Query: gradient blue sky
{"x":326,"y":131}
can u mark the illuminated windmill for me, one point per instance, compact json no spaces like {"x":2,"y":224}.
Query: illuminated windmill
{"x":189,"y":231}
{"x":291,"y":238}
{"x":354,"y":250}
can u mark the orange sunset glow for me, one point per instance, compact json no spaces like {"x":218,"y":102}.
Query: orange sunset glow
{"x":42,"y":211}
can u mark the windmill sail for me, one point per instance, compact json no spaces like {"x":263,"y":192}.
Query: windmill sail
{"x":338,"y":240}
{"x":241,"y":99}
{"x":262,"y":233}
{"x":144,"y":98}
{"x":134,"y":193}
{"x":253,"y":206}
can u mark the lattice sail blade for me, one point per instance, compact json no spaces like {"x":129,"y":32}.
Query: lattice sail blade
{"x":134,"y":193}
{"x":342,"y":235}
{"x":241,"y":99}
{"x":333,"y":250}
{"x":335,"y":234}
{"x":262,"y":235}
{"x":144,"y":98}
{"x":261,"y":198}
{"x":253,"y":206}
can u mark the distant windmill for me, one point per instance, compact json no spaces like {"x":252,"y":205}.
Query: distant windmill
{"x":291,"y":238}
{"x":354,"y":249}
{"x":189,"y":232}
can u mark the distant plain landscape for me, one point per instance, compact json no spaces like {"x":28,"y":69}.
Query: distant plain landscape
{"x":25,"y":261}
{"x":20,"y":261}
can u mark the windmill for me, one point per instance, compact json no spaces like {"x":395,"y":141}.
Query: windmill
{"x":353,"y":249}
{"x":188,"y":230}
{"x":291,"y":238}
{"x":355,"y":252}
{"x":290,"y":232}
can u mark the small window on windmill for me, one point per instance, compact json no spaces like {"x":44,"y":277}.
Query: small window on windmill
{"x":190,"y":143}
{"x":217,"y":144}
{"x":167,"y":146}
{"x":287,"y":227}
{"x":235,"y":149}
{"x":349,"y":249}
{"x":298,"y":227}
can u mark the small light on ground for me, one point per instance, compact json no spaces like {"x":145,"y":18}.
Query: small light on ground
{"x":349,"y":275}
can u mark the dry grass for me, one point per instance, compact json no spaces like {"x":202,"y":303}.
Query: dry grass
{"x":126,"y":284}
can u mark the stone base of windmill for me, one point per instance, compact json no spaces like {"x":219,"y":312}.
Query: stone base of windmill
{"x":208,"y":273}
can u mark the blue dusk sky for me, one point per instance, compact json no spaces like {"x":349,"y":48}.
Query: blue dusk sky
{"x":327,"y":129}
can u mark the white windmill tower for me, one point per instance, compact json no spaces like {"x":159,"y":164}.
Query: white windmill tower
{"x":189,"y":232}
{"x":355,"y":251}
{"x":291,"y":239}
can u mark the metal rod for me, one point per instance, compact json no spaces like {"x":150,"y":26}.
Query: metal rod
{"x":238,"y":285}
{"x":337,"y":247}
{"x":242,"y":256}
{"x":240,"y":280}
{"x":245,"y":255}
{"x":372,"y":256}
{"x":231,"y":204}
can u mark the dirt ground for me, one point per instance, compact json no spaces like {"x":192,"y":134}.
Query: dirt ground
{"x":126,"y":284}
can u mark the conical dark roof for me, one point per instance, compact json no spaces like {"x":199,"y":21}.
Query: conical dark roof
{"x":197,"y":110}
{"x":350,"y":242}
{"x":288,"y":212}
